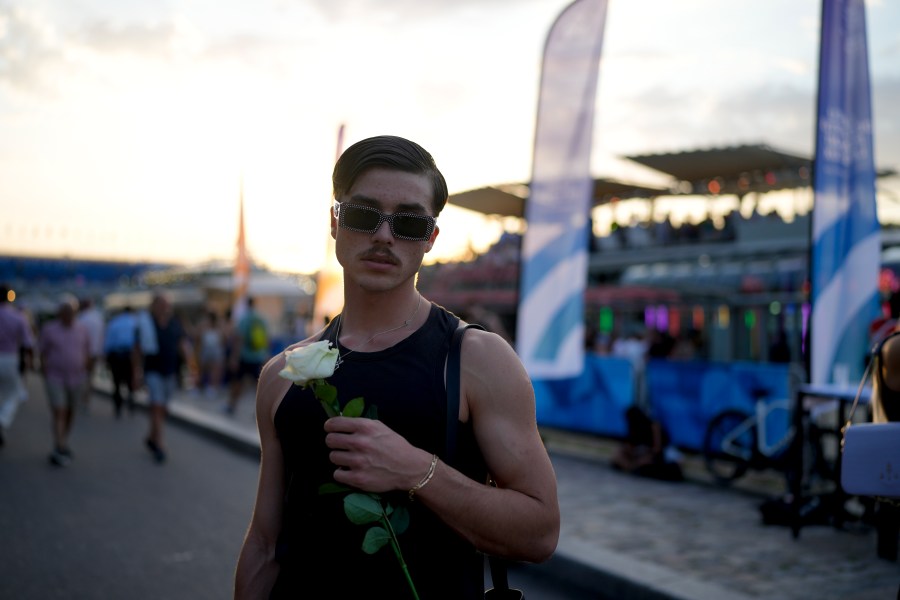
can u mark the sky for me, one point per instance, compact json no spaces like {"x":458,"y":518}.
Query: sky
{"x":129,"y":129}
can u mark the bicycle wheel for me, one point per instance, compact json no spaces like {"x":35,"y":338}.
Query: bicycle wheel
{"x":729,"y":445}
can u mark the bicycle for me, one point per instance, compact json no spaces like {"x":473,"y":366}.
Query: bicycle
{"x":736,"y":441}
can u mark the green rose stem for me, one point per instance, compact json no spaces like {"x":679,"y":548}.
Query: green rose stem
{"x":362,"y":509}
{"x":396,"y":546}
{"x":327,"y":396}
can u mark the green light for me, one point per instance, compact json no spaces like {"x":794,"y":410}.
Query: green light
{"x":749,"y":319}
{"x":606,"y":320}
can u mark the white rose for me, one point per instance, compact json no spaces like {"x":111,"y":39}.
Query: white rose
{"x":315,"y":361}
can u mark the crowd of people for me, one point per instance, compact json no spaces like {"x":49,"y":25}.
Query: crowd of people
{"x":151,"y":349}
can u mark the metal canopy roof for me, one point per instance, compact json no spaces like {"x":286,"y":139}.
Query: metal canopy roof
{"x":697,"y":165}
{"x":607,"y":189}
{"x":734,"y":170}
{"x":738,"y":170}
{"x":490,"y":200}
{"x":509,"y":200}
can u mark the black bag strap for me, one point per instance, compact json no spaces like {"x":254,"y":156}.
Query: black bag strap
{"x":453,"y":366}
{"x":498,"y":565}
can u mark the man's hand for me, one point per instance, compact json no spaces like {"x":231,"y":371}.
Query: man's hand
{"x":372,"y":457}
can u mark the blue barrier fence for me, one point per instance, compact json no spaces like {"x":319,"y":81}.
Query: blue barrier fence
{"x":683,"y":395}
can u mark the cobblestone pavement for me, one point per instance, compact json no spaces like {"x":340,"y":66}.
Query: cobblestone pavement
{"x":654,"y":539}
{"x":676,"y":536}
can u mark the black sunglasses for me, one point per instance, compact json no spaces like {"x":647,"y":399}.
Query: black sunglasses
{"x":365,"y":219}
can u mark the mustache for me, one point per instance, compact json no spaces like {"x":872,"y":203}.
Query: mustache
{"x":381,"y":254}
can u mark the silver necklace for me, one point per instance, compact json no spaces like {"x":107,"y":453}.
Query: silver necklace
{"x":337,"y":335}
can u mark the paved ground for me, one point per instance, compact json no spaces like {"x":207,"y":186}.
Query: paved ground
{"x":637,"y":538}
{"x":115,"y":525}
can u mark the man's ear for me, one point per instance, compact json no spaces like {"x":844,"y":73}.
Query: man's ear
{"x":430,"y":244}
{"x":334,"y":222}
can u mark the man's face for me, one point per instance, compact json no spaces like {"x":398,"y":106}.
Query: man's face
{"x":379,"y":260}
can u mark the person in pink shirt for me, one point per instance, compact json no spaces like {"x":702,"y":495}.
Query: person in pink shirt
{"x":65,"y":360}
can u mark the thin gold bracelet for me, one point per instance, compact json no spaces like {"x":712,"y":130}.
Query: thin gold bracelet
{"x":426,"y":479}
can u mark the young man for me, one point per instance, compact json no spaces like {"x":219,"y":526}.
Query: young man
{"x":393,"y":347}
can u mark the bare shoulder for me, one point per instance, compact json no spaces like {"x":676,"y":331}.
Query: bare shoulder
{"x":484,"y":351}
{"x":272,"y":387}
{"x":493,"y":378}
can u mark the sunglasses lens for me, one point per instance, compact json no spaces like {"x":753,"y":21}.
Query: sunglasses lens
{"x":410,"y":226}
{"x":367,"y":220}
{"x":362,"y":219}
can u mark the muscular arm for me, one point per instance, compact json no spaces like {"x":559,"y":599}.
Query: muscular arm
{"x":518,"y":519}
{"x":256,"y":568}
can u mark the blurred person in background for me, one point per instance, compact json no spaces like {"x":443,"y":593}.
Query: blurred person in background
{"x":211,"y":343}
{"x":252,"y":342}
{"x":231,"y":343}
{"x":65,"y":349}
{"x":16,"y":348}
{"x":92,"y":318}
{"x":121,"y":351}
{"x":163,"y":358}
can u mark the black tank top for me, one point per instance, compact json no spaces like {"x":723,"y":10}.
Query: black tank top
{"x":318,"y":545}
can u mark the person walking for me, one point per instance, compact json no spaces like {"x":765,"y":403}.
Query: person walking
{"x":252,"y":339}
{"x":163,"y":357}
{"x":388,"y":350}
{"x":92,"y":318}
{"x":121,"y":351}
{"x":16,"y":354}
{"x":65,"y":349}
{"x":211,"y":342}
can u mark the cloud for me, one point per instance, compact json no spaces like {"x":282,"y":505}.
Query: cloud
{"x":403,"y":10}
{"x":38,"y":57}
{"x":147,"y":40}
{"x":27,"y":49}
{"x":786,"y":115}
{"x":886,"y":113}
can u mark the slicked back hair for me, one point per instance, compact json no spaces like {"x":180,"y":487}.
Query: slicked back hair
{"x":389,"y":152}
